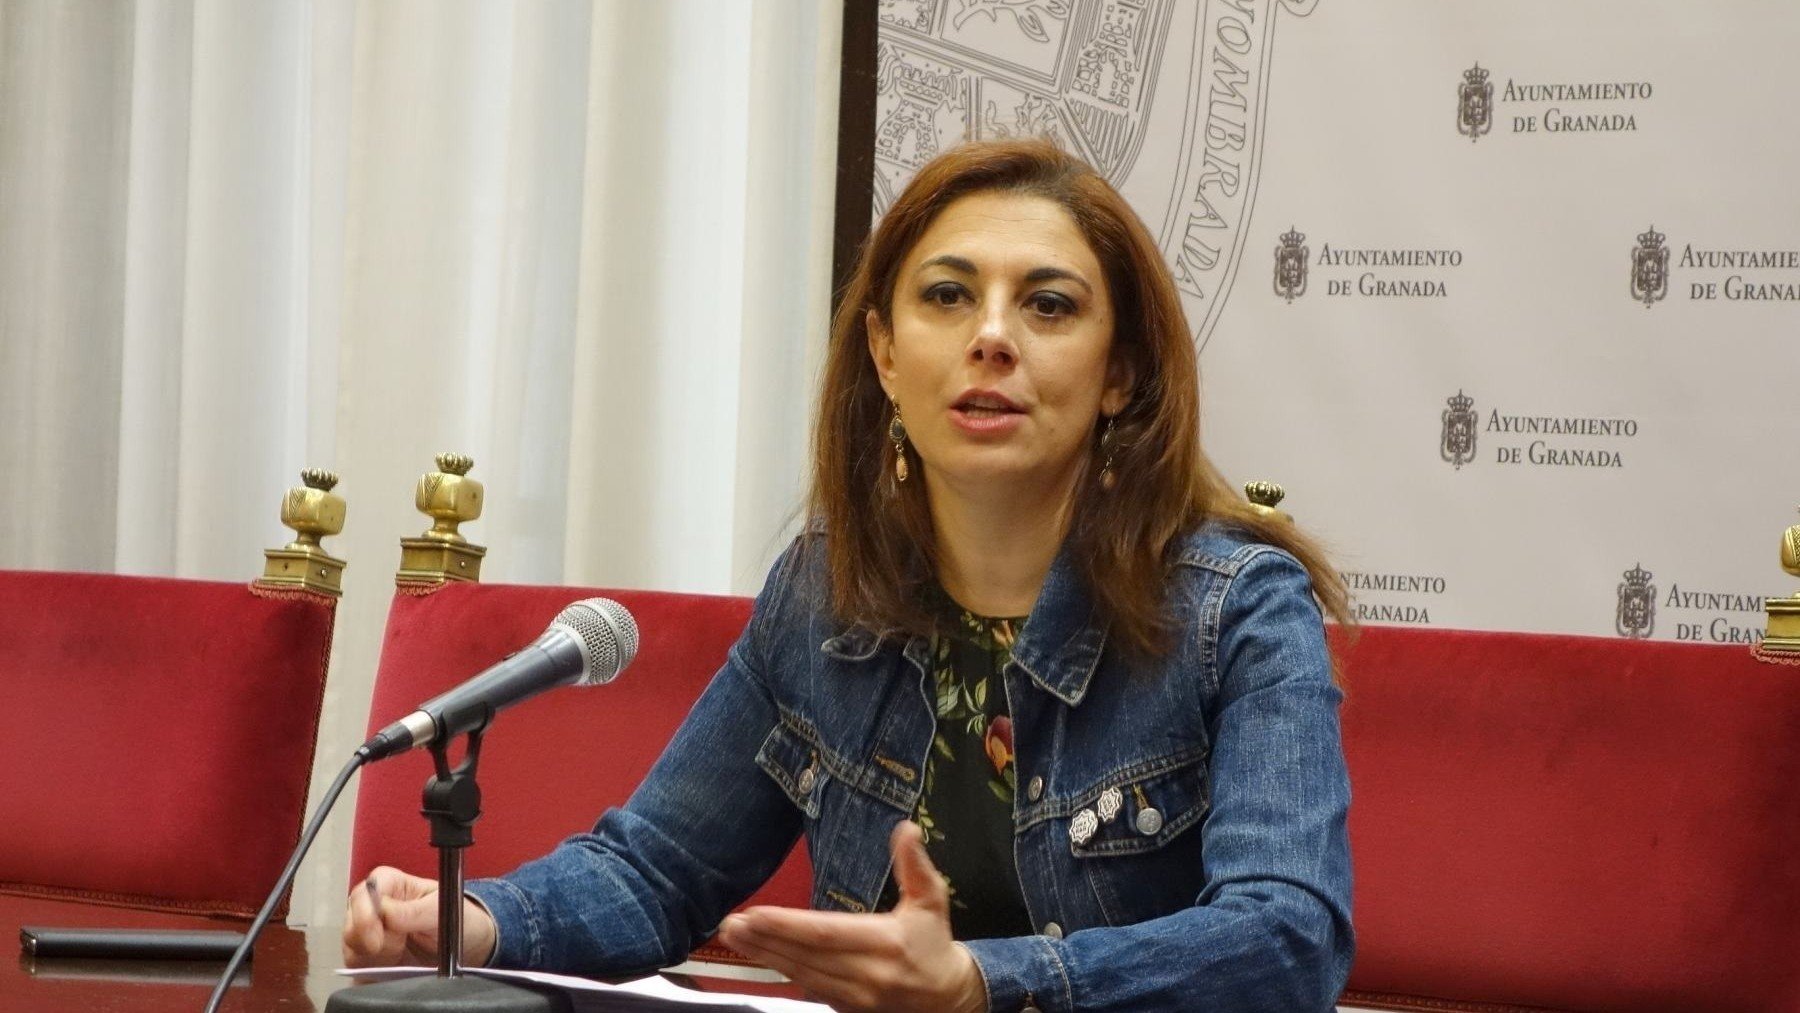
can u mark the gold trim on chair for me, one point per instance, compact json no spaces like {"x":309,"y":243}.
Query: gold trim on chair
{"x":1781,"y":643}
{"x":313,"y":511}
{"x":449,"y":497}
{"x":1264,"y":497}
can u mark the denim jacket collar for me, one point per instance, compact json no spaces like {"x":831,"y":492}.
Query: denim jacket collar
{"x":858,"y":643}
{"x":1061,"y":643}
{"x":1059,"y":647}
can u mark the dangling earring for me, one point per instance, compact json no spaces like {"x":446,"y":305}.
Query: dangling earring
{"x":897,"y":435}
{"x":1110,"y":450}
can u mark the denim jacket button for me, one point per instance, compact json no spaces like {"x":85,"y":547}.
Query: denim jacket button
{"x":1083,"y":826}
{"x":807,"y":779}
{"x":1053,"y":930}
{"x":1149,"y":821}
{"x":1111,"y":801}
{"x":1029,"y":1008}
{"x":1035,"y":790}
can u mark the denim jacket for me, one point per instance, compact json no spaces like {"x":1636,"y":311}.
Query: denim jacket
{"x":1219,"y":879}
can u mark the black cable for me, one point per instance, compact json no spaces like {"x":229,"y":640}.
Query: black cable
{"x":360,"y":757}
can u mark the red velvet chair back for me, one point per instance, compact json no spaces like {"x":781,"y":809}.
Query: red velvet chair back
{"x":551,"y":765}
{"x":157,"y":737}
{"x":1572,"y":823}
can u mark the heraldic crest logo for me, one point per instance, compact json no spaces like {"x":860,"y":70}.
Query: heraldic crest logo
{"x":1649,"y":268}
{"x":1474,"y":103}
{"x":1457,"y":445}
{"x":1636,"y":617}
{"x":1290,"y":264}
{"x":1167,"y":99}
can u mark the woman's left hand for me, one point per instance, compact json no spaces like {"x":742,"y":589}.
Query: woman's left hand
{"x":901,"y":960}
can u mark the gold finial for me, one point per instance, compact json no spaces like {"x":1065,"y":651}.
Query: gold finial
{"x":1264,"y":494}
{"x":450,"y":498}
{"x":1790,"y":550}
{"x":313,"y":511}
{"x":1264,"y":497}
{"x":1783,"y":635}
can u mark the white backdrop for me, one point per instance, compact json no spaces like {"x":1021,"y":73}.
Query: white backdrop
{"x":587,"y":244}
{"x":1609,"y":433}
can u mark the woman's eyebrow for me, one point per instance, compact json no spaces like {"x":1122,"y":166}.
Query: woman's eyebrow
{"x":951,"y":261}
{"x":963,"y":265}
{"x":1038,"y":274}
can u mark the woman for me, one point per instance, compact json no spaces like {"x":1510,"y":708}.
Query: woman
{"x":1031,"y":637}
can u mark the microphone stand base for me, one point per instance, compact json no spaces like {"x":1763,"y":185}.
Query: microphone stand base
{"x":464,"y":994}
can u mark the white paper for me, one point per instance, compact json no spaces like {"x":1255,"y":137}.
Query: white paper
{"x":644,"y":995}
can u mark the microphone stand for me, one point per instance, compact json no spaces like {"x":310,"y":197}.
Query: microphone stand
{"x":452,"y":804}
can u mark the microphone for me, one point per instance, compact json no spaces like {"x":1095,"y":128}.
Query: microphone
{"x":588,"y":643}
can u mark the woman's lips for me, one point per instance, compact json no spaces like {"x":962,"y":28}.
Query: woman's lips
{"x":986,"y":421}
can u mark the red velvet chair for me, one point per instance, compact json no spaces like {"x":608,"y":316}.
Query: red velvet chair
{"x":157,"y":737}
{"x":1538,"y":822}
{"x":551,"y":765}
{"x":1572,"y":823}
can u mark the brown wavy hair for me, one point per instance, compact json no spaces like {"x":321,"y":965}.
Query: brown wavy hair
{"x":880,"y":546}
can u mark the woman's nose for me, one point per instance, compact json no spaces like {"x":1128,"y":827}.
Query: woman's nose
{"x":993,"y":343}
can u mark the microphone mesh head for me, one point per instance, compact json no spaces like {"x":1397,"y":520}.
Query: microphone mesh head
{"x":607,"y":631}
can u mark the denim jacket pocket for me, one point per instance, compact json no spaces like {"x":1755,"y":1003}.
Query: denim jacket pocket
{"x":1126,"y":833}
{"x":792,"y":760}
{"x":1140,"y":809}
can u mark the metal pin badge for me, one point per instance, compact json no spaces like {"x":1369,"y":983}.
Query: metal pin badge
{"x":1111,"y":801}
{"x":1082,"y":827}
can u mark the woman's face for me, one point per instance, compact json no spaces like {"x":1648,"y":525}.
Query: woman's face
{"x":1000,"y":352}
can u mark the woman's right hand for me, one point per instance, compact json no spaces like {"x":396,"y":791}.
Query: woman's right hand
{"x":392,"y":918}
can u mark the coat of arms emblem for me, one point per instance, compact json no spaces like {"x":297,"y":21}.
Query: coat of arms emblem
{"x":1474,"y":103}
{"x":1637,"y":604}
{"x":1290,"y":265}
{"x":1457,"y":445}
{"x":1649,"y":268}
{"x":1167,"y":99}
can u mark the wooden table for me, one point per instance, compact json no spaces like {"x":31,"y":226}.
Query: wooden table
{"x":293,"y":969}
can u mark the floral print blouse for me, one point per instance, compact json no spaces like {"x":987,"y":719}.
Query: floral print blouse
{"x":966,"y":808}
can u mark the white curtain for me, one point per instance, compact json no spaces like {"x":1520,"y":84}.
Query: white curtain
{"x":586,"y":243}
